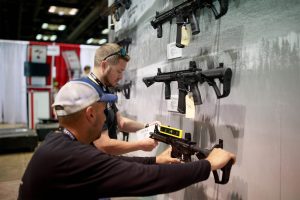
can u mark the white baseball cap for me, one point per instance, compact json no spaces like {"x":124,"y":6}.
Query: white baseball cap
{"x":77,"y":95}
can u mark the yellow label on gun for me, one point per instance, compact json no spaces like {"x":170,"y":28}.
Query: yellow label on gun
{"x":174,"y":132}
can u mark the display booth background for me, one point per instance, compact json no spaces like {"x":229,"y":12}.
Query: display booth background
{"x":258,"y":121}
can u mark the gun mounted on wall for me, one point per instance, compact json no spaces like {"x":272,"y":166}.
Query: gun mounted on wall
{"x":124,"y":89}
{"x":188,"y":81}
{"x":124,"y":43}
{"x":184,"y":148}
{"x":185,"y":14}
{"x":116,"y":7}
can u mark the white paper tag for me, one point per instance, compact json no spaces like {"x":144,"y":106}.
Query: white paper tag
{"x":146,"y":131}
{"x":189,"y":106}
{"x":185,"y":35}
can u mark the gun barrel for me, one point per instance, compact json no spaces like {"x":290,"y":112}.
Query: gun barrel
{"x":165,"y":16}
{"x":217,"y":72}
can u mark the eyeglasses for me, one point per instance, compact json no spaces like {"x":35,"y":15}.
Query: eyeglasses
{"x":122,"y":52}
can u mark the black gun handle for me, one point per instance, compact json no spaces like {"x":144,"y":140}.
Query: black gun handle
{"x":178,"y":36}
{"x":180,"y":22}
{"x":196,"y":93}
{"x":225,"y":173}
{"x":226,"y":83}
{"x":175,"y":153}
{"x":117,"y":15}
{"x":181,"y":99}
{"x":159,"y":31}
{"x":126,"y":91}
{"x":167,"y":90}
{"x":127,"y":4}
{"x":194,"y":24}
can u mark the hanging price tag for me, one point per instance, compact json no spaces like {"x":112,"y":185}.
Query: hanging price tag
{"x":185,"y":35}
{"x":189,"y":106}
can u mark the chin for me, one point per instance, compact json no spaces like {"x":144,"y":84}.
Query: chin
{"x":98,"y":137}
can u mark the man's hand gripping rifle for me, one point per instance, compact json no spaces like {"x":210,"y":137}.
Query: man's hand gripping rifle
{"x":183,"y":149}
{"x":188,"y":81}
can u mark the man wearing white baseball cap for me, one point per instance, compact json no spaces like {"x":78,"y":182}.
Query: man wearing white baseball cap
{"x":67,"y":166}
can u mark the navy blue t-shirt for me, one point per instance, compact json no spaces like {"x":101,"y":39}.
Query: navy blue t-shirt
{"x":63,"y":168}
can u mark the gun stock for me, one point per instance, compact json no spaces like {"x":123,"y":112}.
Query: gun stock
{"x":224,"y":75}
{"x":223,"y":4}
{"x":149,"y":81}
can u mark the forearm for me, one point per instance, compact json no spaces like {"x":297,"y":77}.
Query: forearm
{"x":143,"y":160}
{"x":128,"y":125}
{"x":156,"y":179}
{"x":115,"y":147}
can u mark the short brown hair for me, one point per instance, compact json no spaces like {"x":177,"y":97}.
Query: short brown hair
{"x":105,"y":50}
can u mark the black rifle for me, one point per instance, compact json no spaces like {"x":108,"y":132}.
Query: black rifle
{"x":183,"y":149}
{"x":124,"y":43}
{"x":185,"y":14}
{"x":117,"y":5}
{"x":188,"y":81}
{"x":124,"y":88}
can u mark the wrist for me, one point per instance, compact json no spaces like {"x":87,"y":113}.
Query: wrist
{"x":146,"y":125}
{"x":156,"y":160}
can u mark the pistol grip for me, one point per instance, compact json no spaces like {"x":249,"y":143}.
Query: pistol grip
{"x":194,"y":24}
{"x":181,"y":100}
{"x":225,"y":173}
{"x":178,"y":36}
{"x":127,"y":93}
{"x":159,"y":31}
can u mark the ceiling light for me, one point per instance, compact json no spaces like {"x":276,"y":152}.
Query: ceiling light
{"x":54,"y":27}
{"x":52,"y":9}
{"x":102,"y":41}
{"x":45,"y":38}
{"x":53,"y":37}
{"x":62,"y":10}
{"x":105,"y":31}
{"x":44,"y":25}
{"x":61,"y":27}
{"x":73,"y":11}
{"x":38,"y":37}
{"x":89,"y":41}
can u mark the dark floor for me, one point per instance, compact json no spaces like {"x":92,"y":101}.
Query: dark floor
{"x":11,"y":170}
{"x":12,"y":167}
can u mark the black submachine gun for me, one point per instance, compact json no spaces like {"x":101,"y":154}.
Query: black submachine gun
{"x":185,"y":14}
{"x":184,"y":148}
{"x":188,"y":81}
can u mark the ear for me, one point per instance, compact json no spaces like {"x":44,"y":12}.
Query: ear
{"x":90,"y":114}
{"x":103,"y":66}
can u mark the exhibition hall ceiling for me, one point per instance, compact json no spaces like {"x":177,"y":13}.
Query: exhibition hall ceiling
{"x":66,"y":21}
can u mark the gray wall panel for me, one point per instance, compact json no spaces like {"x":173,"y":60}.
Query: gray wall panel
{"x":260,"y":119}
